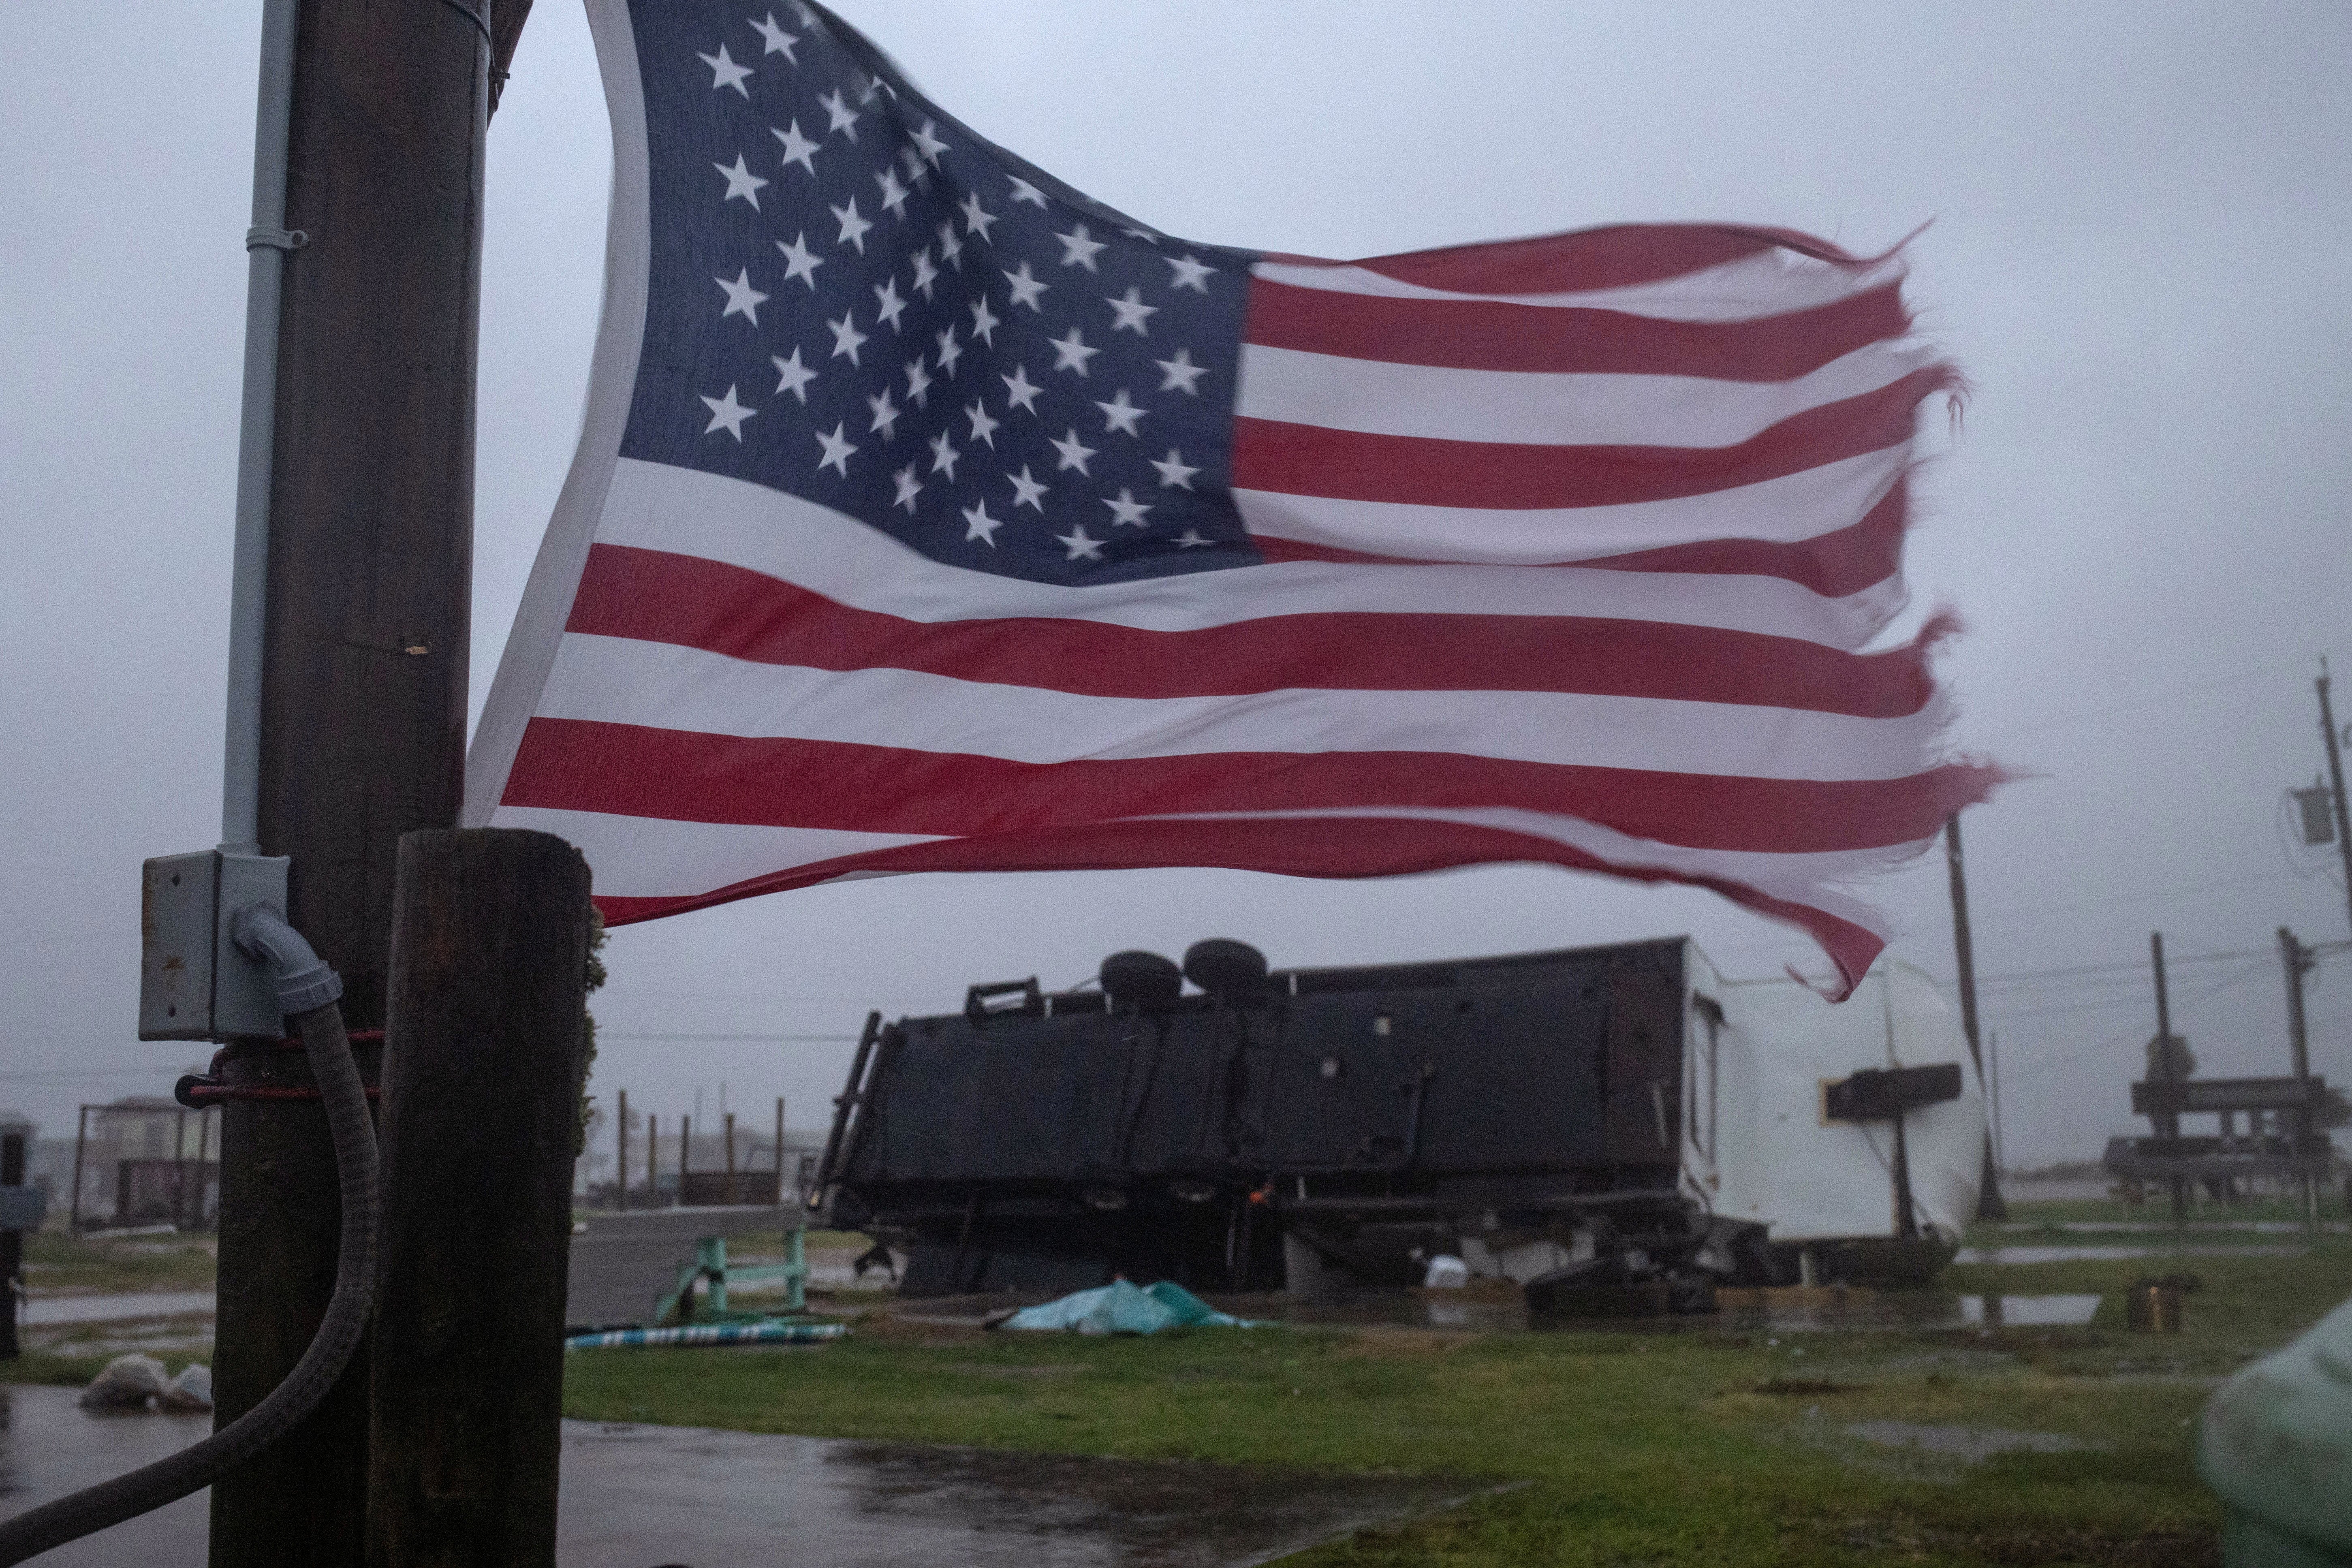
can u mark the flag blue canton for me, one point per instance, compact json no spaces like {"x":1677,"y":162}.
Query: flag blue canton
{"x":855,"y":300}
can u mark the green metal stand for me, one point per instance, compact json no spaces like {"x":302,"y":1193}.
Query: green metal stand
{"x":711,"y":1268}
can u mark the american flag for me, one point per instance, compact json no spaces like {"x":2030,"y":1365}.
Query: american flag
{"x":931,"y":515}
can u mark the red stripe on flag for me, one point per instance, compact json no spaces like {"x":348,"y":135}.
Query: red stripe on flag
{"x":1345,"y":848}
{"x":1833,"y":565}
{"x":1485,"y":334}
{"x":654,"y":596}
{"x":1313,"y":460}
{"x":1614,"y":258}
{"x":569,"y":764}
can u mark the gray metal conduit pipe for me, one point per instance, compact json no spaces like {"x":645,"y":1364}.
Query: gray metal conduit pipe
{"x":267,"y":243}
{"x":307,"y":989}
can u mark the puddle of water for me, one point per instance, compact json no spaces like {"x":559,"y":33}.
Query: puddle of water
{"x":114,"y":1309}
{"x":1794,"y":1311}
{"x":1968,"y":1444}
{"x":2112,"y":1254}
{"x":634,"y":1495}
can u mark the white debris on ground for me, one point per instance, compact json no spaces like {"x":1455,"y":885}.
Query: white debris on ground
{"x":137,"y":1381}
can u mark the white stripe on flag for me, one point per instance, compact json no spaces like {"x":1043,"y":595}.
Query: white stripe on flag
{"x":653,"y":506}
{"x":663,"y":686}
{"x":1775,"y":283}
{"x":1784,"y":510}
{"x":1536,"y":408}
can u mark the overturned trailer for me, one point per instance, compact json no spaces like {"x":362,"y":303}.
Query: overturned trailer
{"x":1599,"y":1116}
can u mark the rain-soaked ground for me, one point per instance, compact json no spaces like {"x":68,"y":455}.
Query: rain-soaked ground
{"x":636,"y":1496}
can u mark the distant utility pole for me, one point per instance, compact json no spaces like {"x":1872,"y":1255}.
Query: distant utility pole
{"x":1989,"y":1201}
{"x":2298,"y":960}
{"x":2160,"y":1066}
{"x":2335,"y":781}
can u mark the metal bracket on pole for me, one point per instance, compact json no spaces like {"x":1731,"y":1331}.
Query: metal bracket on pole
{"x":277,"y":238}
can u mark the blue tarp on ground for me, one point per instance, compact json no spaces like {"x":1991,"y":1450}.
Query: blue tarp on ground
{"x":1120,"y":1308}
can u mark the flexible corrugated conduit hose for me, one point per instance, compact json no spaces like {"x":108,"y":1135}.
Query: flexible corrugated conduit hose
{"x":307,"y":990}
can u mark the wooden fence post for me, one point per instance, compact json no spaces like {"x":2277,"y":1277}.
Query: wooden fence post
{"x":483,"y":1058}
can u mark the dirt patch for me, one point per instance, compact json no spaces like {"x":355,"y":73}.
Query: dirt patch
{"x":1807,"y":1385}
{"x":1044,"y":1372}
{"x":1384,"y":1344}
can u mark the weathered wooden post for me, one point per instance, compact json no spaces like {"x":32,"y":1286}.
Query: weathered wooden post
{"x":483,"y":1058}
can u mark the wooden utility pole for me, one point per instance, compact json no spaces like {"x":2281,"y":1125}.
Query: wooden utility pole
{"x":363,"y":673}
{"x":1988,"y":1202}
{"x":2297,"y":960}
{"x":12,"y":1245}
{"x":481,"y":1123}
{"x":621,"y":1154}
{"x":2160,"y":1067}
{"x":2336,"y":783}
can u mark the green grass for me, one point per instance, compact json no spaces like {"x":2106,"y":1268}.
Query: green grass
{"x":56,"y":1262}
{"x":68,"y":1371}
{"x":1629,"y":1447}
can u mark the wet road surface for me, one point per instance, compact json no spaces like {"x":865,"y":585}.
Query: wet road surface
{"x":636,"y":1496}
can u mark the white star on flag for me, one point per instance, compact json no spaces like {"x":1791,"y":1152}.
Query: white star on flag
{"x":1080,"y":545}
{"x":1180,"y":373}
{"x":1131,"y":313}
{"x":798,"y":149}
{"x":845,"y":337}
{"x":799,"y":261}
{"x":792,"y":376}
{"x":779,"y":41}
{"x":838,"y":448}
{"x":1080,"y":248}
{"x":1071,"y":352}
{"x":1189,"y":274}
{"x":742,"y":182}
{"x":1025,"y":287}
{"x":725,"y":73}
{"x":1173,"y":473}
{"x":980,"y":526}
{"x":1019,"y":389}
{"x":1073,"y":452}
{"x":1121,"y":414}
{"x":742,"y":300}
{"x":728,"y":414}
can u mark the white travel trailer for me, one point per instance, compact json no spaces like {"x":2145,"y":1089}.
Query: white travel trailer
{"x":1595,"y":1117}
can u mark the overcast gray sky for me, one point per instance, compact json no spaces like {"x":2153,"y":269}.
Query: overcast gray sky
{"x":2137,"y":254}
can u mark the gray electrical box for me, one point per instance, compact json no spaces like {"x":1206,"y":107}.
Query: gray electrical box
{"x":193,"y":984}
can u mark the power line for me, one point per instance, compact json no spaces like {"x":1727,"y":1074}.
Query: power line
{"x":2176,"y":695}
{"x":2180,"y":1010}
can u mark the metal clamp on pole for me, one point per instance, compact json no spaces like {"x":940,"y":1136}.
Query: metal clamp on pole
{"x":277,"y":238}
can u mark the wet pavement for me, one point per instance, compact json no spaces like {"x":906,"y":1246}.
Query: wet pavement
{"x":42,"y":1311}
{"x":2114,"y":1254}
{"x":636,"y":1496}
{"x":49,"y":1445}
